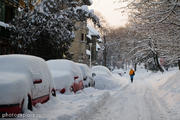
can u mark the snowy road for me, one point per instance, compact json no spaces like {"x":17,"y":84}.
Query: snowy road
{"x":137,"y":101}
{"x":152,"y":96}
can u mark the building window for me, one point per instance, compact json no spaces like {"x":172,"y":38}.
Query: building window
{"x":9,"y":13}
{"x":82,"y":37}
{"x":0,"y":13}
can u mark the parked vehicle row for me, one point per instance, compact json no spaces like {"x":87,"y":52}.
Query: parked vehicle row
{"x":27,"y":80}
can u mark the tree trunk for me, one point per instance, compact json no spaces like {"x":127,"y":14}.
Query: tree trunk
{"x":135,"y":66}
{"x":179,"y":64}
{"x":157,"y":63}
{"x":105,"y":51}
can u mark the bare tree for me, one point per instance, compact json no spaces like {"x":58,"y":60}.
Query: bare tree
{"x":158,"y":20}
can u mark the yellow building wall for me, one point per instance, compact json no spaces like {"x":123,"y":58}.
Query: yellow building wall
{"x":78,"y":47}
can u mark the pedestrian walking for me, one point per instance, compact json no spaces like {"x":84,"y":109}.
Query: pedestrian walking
{"x":131,"y":73}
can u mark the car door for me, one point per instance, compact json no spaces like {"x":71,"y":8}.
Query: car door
{"x":40,"y":89}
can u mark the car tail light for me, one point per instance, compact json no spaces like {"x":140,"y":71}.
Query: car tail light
{"x":62,"y":91}
{"x":76,"y":77}
{"x":37,"y":81}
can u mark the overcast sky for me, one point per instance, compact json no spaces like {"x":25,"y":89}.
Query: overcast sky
{"x":107,"y":8}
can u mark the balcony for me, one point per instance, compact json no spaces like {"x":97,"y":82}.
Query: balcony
{"x":4,"y":31}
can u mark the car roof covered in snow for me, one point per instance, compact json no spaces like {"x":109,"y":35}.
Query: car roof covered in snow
{"x":18,"y":63}
{"x":101,"y":70}
{"x":84,"y":69}
{"x":30,"y":65}
{"x":64,"y":65}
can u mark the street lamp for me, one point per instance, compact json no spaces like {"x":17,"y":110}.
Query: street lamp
{"x":90,"y":45}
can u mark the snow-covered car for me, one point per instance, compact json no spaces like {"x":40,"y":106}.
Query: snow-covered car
{"x":101,"y":70}
{"x":88,"y":80}
{"x":66,"y":74}
{"x":24,"y":81}
{"x":119,"y":72}
{"x":103,"y":77}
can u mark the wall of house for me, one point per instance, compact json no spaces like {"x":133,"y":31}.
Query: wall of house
{"x":2,"y":8}
{"x":79,"y":45}
{"x":8,"y":9}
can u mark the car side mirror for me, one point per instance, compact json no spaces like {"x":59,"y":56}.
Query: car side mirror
{"x":37,"y":81}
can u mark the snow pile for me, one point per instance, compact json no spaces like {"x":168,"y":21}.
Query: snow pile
{"x":170,"y":89}
{"x":71,"y":107}
{"x":167,"y":87}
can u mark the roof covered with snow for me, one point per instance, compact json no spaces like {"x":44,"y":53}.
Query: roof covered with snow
{"x":92,"y":32}
{"x":4,"y":24}
{"x":100,"y":40}
{"x":88,"y":2}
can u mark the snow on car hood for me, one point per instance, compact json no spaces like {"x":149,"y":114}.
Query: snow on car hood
{"x":13,"y":87}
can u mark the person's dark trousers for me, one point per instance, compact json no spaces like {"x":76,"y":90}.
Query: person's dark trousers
{"x":131,"y":78}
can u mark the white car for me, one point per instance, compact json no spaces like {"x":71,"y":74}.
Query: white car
{"x":66,"y":74}
{"x":101,"y":70}
{"x":88,"y":80}
{"x":104,"y":78}
{"x":119,"y":72}
{"x":24,"y":81}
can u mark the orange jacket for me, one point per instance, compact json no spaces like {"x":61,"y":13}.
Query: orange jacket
{"x":131,"y":72}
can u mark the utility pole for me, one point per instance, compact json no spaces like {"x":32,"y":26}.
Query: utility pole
{"x":90,"y":60}
{"x":105,"y":51}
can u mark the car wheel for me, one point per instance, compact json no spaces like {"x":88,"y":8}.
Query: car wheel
{"x":93,"y":84}
{"x":26,"y":104}
{"x":71,"y":89}
{"x":53,"y":92}
{"x":82,"y":87}
{"x":29,"y":103}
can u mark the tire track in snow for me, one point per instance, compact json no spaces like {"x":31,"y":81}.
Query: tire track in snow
{"x":136,"y":101}
{"x":92,"y":108}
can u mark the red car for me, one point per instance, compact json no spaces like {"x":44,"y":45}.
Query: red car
{"x":24,"y":81}
{"x":66,"y":75}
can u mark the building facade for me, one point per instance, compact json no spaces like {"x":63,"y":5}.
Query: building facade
{"x":86,"y":39}
{"x":79,"y":45}
{"x":8,"y":10}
